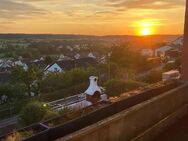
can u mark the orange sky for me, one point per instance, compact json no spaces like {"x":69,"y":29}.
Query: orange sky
{"x":98,"y":17}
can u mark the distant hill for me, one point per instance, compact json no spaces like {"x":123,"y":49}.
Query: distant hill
{"x":72,"y":36}
{"x":134,"y":41}
{"x":44,"y":36}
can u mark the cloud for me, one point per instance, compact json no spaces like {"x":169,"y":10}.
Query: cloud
{"x":10,"y":9}
{"x":39,"y":0}
{"x":145,"y":4}
{"x":102,"y":16}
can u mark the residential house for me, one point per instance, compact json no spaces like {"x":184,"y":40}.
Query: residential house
{"x":161,"y":51}
{"x":53,"y":68}
{"x":178,"y":41}
{"x":64,"y":65}
{"x":59,"y":66}
{"x":91,"y":55}
{"x":103,"y":60}
{"x":20,"y":63}
{"x":77,"y":56}
{"x":6,"y":65}
{"x":173,"y":54}
{"x":147,"y":52}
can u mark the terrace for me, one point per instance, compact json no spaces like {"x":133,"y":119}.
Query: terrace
{"x":81,"y":122}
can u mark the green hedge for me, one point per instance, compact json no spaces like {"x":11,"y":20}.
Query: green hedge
{"x":152,"y":77}
{"x":64,"y":92}
{"x":39,"y":113}
{"x":115,"y":87}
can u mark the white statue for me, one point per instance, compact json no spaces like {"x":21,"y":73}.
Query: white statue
{"x":93,"y":87}
{"x":93,"y":93}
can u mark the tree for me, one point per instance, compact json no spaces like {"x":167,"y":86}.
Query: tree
{"x":55,"y":82}
{"x":108,"y":71}
{"x":51,"y":82}
{"x":26,"y":54}
{"x":48,"y":60}
{"x":30,"y":78}
{"x":127,"y":58}
{"x":121,"y":55}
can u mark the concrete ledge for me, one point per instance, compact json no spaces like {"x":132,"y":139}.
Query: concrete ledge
{"x":135,"y":121}
{"x":152,"y":132}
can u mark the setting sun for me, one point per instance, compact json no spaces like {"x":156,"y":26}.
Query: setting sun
{"x":145,"y":31}
{"x":145,"y":27}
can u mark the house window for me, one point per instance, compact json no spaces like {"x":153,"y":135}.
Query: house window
{"x":56,"y":69}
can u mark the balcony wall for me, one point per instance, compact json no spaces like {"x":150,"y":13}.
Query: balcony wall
{"x":140,"y":122}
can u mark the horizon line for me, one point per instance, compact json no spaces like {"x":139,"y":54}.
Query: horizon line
{"x":75,"y":34}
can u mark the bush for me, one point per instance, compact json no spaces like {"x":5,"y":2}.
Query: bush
{"x":13,"y":92}
{"x":64,"y":92}
{"x":170,"y":66}
{"x":34,"y":112}
{"x":8,"y":110}
{"x":152,"y":77}
{"x":50,"y":114}
{"x":115,"y":87}
{"x":54,"y":82}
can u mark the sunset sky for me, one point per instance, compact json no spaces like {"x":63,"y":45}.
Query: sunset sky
{"x":98,"y":17}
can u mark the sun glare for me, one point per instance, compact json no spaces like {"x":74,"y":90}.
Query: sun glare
{"x":145,"y":31}
{"x":145,"y":28}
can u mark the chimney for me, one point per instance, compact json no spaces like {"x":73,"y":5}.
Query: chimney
{"x":93,"y":93}
{"x":185,"y":47}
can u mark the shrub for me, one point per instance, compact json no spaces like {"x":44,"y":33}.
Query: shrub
{"x":13,"y":92}
{"x":50,"y":114}
{"x":14,"y":137}
{"x":170,"y":66}
{"x":54,"y":82}
{"x":19,"y":136}
{"x":12,"y":108}
{"x":34,"y":112}
{"x":64,"y":92}
{"x":116,"y":87}
{"x":152,"y":77}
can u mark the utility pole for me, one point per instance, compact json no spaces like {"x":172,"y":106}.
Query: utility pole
{"x":109,"y":67}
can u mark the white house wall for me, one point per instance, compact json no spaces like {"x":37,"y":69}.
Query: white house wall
{"x":54,"y":68}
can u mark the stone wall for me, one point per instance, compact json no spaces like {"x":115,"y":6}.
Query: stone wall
{"x":136,"y":123}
